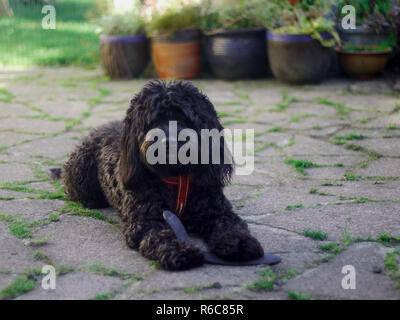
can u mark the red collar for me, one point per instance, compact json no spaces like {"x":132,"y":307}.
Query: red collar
{"x":183,"y":182}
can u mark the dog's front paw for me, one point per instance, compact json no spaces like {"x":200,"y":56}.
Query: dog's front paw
{"x":182,"y":258}
{"x":237,"y":246}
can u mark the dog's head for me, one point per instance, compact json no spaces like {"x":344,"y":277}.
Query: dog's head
{"x":165,"y":118}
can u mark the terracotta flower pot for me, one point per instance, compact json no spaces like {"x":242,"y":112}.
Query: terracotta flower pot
{"x":298,"y":58}
{"x":178,"y":55}
{"x":124,"y":56}
{"x":363,"y":65}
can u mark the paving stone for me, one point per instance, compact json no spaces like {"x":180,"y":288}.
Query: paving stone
{"x":361,"y":220}
{"x":6,"y":279}
{"x":75,"y":286}
{"x":387,"y":190}
{"x":15,"y":172}
{"x":381,"y":167}
{"x":310,"y":146}
{"x":386,"y":147}
{"x":30,"y":209}
{"x":81,"y":241}
{"x":10,"y":138}
{"x":13,"y":110}
{"x":14,"y":255}
{"x":52,"y":147}
{"x":33,"y":125}
{"x":277,"y":198}
{"x":369,"y":285}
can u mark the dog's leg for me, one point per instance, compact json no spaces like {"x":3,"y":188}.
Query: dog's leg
{"x":146,"y":231}
{"x":225,"y":233}
{"x":80,"y":178}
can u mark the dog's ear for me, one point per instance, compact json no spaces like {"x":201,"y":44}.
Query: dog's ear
{"x":214,"y":174}
{"x":131,"y":169}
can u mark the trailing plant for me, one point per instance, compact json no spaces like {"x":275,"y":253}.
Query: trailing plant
{"x":122,"y":24}
{"x":301,"y":17}
{"x":244,"y":14}
{"x":370,"y":12}
{"x":175,"y":17}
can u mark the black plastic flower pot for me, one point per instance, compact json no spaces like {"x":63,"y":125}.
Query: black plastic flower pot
{"x":236,"y":54}
{"x":124,"y":56}
{"x":298,"y":58}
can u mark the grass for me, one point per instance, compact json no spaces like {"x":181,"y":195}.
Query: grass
{"x":20,"y":285}
{"x":351,"y":136}
{"x":24,"y":42}
{"x":295,"y":295}
{"x":299,"y":165}
{"x":331,"y":247}
{"x":74,"y":208}
{"x":267,"y":282}
{"x":292,"y":207}
{"x":21,"y":228}
{"x":340,"y":108}
{"x":388,"y":239}
{"x":391,"y":265}
{"x":5,"y":95}
{"x":315,"y":234}
{"x":101,"y":296}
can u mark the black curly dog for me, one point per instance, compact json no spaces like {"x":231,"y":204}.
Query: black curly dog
{"x":109,"y":167}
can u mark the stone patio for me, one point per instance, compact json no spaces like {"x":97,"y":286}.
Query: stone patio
{"x":324,"y":194}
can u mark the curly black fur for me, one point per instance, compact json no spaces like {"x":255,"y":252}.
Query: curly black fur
{"x":107,"y":169}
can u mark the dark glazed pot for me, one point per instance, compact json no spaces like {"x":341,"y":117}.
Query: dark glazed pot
{"x":124,"y":56}
{"x":236,"y":54}
{"x":177,"y":55}
{"x":298,"y":58}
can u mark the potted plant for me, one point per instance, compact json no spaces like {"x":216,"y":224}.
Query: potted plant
{"x":124,"y":46}
{"x":363,"y":62}
{"x":299,"y":39}
{"x":373,"y":22}
{"x":175,"y":40}
{"x":234,"y":41}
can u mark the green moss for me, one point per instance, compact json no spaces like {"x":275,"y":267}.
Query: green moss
{"x":276,"y":129}
{"x":391,"y":265}
{"x":101,"y":296}
{"x":351,"y":176}
{"x":20,"y":285}
{"x":193,"y":289}
{"x":314,"y":234}
{"x":391,"y":127}
{"x":351,"y":136}
{"x":299,"y":165}
{"x":106,"y":271}
{"x":74,"y":208}
{"x":388,"y":239}
{"x":20,"y":227}
{"x":267,"y":282}
{"x":5,"y":95}
{"x":340,"y":108}
{"x":331,"y":247}
{"x":292,"y":207}
{"x":40,"y":256}
{"x":297,"y":117}
{"x":295,"y":295}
